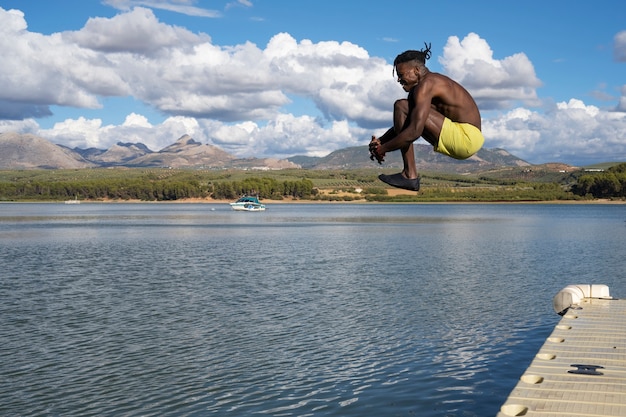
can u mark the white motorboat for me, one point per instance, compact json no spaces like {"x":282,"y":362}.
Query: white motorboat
{"x":248,"y":203}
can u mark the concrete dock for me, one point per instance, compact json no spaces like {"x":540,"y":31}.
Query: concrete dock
{"x":581,"y":368}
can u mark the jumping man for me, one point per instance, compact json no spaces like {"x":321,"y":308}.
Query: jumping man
{"x":437,"y":108}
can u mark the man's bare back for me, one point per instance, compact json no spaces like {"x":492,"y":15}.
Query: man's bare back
{"x":452,"y":100}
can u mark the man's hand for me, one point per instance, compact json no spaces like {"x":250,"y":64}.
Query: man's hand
{"x":374,"y":150}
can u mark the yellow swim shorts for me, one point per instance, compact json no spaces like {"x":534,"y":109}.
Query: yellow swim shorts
{"x":459,"y":140}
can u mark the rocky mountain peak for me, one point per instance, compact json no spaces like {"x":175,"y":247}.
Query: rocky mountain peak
{"x":184,"y":142}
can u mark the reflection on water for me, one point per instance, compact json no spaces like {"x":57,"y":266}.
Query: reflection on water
{"x":351,"y":310}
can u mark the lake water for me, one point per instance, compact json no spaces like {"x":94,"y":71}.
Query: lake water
{"x":302,"y":310}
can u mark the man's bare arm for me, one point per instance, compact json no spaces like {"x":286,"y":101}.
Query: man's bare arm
{"x":420,"y":107}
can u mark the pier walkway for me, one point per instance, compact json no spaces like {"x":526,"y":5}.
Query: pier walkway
{"x":581,"y":368}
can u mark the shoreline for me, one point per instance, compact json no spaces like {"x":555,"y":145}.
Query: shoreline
{"x":296,"y":201}
{"x":291,"y":200}
{"x":362,"y":201}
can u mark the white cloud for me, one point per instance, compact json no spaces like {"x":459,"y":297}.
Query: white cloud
{"x":134,"y":119}
{"x":135,"y":32}
{"x":177,"y":6}
{"x":287,"y":135}
{"x":21,"y":126}
{"x":92,"y":133}
{"x":181,"y":73}
{"x":493,"y":83}
{"x":12,"y":21}
{"x":38,"y":71}
{"x":619,"y":47}
{"x":341,"y":78}
{"x":284,"y":136}
{"x":236,"y":96}
{"x":513,"y":131}
{"x":81,"y":132}
{"x":572,"y":131}
{"x":244,"y":82}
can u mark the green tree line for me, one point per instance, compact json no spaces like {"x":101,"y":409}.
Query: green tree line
{"x":608,"y":184}
{"x":151,"y":189}
{"x":264,"y":188}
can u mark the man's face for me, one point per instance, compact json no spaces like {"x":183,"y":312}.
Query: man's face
{"x":407,"y":75}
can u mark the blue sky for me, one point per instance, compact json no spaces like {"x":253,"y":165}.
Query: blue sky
{"x":272,"y":78}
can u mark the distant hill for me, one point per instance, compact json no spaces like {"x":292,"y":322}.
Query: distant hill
{"x":425,"y":158}
{"x":25,"y":151}
{"x":185,"y":152}
{"x":116,"y":154}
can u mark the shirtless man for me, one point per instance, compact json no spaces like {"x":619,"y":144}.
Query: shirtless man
{"x":437,"y":108}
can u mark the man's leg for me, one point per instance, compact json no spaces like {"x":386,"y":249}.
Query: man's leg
{"x":408,"y":178}
{"x":400,"y":115}
{"x":432,"y":127}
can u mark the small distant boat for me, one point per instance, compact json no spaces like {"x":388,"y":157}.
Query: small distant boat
{"x":74,"y":201}
{"x":248,"y":203}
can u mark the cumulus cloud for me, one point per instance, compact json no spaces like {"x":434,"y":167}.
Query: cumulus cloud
{"x":82,"y":132}
{"x":571,"y":131}
{"x":92,"y":133}
{"x":180,"y":73}
{"x":21,"y":126}
{"x":341,"y":78}
{"x":493,"y":83}
{"x":184,"y":74}
{"x":238,"y":97}
{"x":619,"y":47}
{"x":285,"y":136}
{"x":38,"y":71}
{"x":135,"y":32}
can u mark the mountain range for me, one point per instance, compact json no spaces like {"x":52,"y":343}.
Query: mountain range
{"x":27,"y":151}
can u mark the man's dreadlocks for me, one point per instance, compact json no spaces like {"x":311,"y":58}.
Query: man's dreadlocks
{"x":411,"y":55}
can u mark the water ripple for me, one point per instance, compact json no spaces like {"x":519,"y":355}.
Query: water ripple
{"x":150,"y":312}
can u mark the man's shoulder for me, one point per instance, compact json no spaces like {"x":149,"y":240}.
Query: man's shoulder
{"x":439,"y":83}
{"x":437,"y":77}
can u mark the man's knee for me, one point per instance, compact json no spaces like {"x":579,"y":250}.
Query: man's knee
{"x":401,"y":105}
